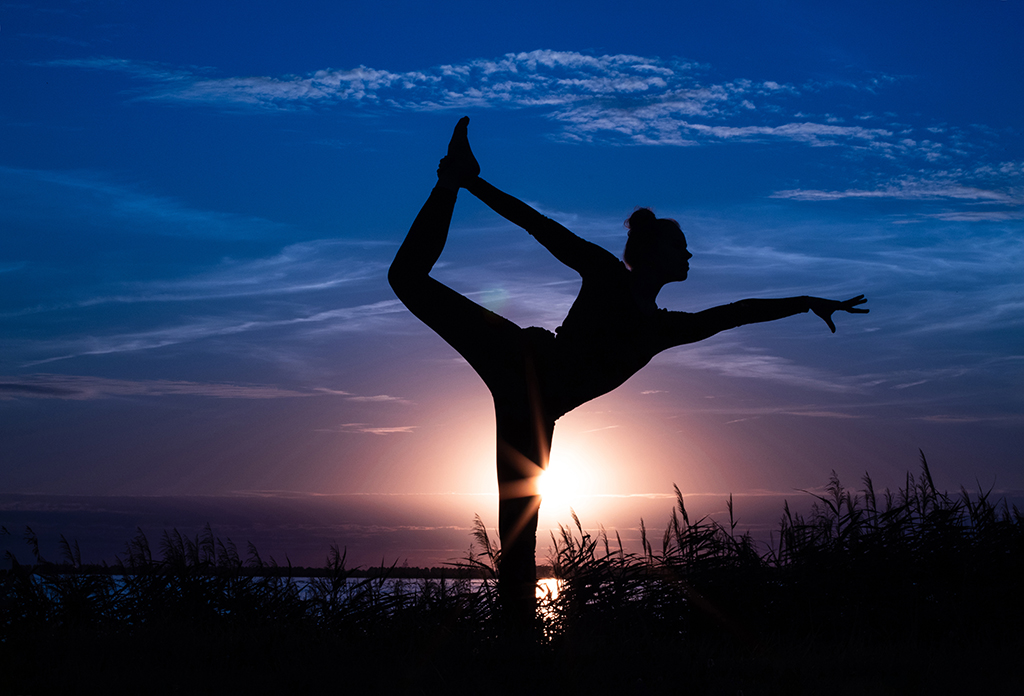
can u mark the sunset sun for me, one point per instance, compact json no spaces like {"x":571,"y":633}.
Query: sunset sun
{"x":571,"y":475}
{"x":556,"y":487}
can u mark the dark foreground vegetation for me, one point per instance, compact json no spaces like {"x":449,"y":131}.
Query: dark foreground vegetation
{"x":874,"y":592}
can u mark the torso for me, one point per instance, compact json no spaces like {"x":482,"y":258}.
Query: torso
{"x":604,"y":340}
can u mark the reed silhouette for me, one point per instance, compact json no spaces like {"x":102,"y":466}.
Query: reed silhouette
{"x":535,"y":376}
{"x":875,"y":591}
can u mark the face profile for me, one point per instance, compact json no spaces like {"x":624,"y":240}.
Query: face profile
{"x":672,"y":256}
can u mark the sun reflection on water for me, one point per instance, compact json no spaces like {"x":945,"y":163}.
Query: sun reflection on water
{"x":548,"y":586}
{"x":547,"y":592}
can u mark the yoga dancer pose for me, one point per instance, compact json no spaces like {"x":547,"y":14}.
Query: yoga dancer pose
{"x":613,"y":329}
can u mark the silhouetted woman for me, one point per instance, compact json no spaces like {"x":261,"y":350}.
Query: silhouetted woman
{"x":612,"y":330}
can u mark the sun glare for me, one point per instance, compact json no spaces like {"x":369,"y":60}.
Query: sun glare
{"x":570,"y":476}
{"x":555,"y":485}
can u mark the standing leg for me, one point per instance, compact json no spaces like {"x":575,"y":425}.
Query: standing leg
{"x":524,"y":429}
{"x":523,"y":448}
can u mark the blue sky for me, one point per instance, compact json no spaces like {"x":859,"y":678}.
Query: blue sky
{"x":198,"y":206}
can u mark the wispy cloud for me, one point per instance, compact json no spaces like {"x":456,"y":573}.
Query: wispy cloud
{"x":732,"y":359}
{"x":369,"y":429}
{"x":379,"y":398}
{"x":809,"y":413}
{"x":96,"y":196}
{"x":818,"y":411}
{"x":537,"y":78}
{"x":1001,"y":419}
{"x":597,"y":430}
{"x":146,"y":70}
{"x":983,"y":194}
{"x":82,"y":387}
{"x":522,"y":79}
{"x":979,"y":216}
{"x":617,"y":98}
{"x":907,"y":190}
{"x":345,"y":319}
{"x":87,"y":387}
{"x":9,"y":267}
{"x":633,"y":100}
{"x":298,"y":268}
{"x":304,"y":268}
{"x":671,"y":124}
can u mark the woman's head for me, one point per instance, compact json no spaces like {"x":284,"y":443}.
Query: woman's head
{"x":656,"y":244}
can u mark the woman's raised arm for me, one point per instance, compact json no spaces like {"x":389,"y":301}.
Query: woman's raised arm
{"x":575,"y":252}
{"x":459,"y":169}
{"x":505,"y":205}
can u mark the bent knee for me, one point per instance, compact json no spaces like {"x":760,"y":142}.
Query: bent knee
{"x":404,"y":279}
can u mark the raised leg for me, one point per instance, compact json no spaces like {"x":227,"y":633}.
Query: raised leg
{"x":510,"y":360}
{"x":488,"y":341}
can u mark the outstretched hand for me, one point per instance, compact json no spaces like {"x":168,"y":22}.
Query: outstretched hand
{"x":825,"y":308}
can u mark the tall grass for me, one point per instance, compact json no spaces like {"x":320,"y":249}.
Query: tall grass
{"x":860,"y":552}
{"x":878,"y":591}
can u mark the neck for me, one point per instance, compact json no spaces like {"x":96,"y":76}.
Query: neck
{"x":645,"y":287}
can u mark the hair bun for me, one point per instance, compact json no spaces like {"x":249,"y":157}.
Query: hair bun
{"x":640,"y":219}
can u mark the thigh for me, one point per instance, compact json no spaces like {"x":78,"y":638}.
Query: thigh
{"x":489,"y":342}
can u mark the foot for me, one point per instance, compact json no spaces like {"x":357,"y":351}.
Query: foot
{"x":460,"y":160}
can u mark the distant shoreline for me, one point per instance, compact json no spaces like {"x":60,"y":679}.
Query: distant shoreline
{"x":295,"y":572}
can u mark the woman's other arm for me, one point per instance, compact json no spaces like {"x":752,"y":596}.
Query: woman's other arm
{"x":690,"y":328}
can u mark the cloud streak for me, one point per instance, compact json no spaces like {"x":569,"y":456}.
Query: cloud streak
{"x":625,"y":99}
{"x":537,"y":78}
{"x":87,"y":387}
{"x":995,"y":193}
{"x":732,"y":359}
{"x":82,"y":387}
{"x":298,"y":268}
{"x":908,"y":189}
{"x":345,"y":319}
{"x":369,"y":430}
{"x":98,"y":197}
{"x":614,"y":98}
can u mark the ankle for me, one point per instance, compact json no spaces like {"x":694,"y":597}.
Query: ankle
{"x":448,"y":180}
